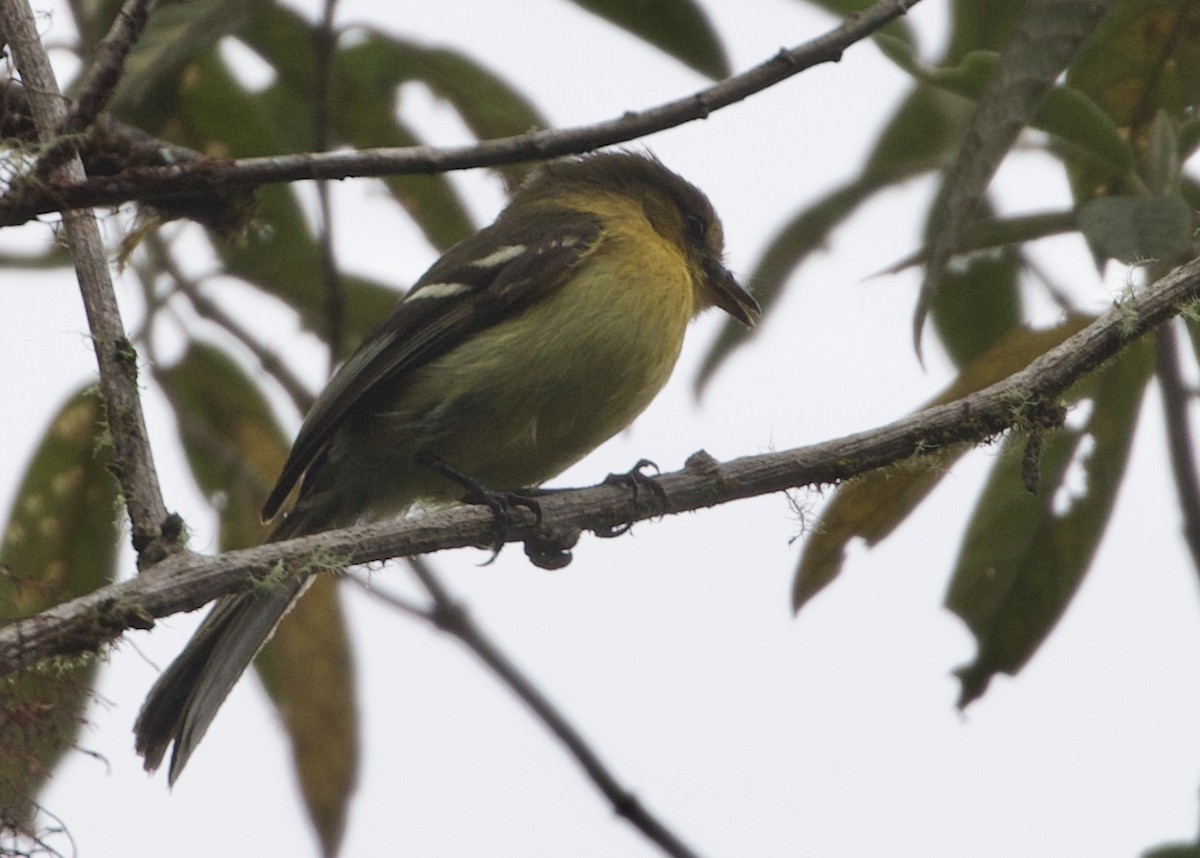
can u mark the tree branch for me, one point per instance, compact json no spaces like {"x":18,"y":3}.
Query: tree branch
{"x":211,"y":175}
{"x":187,"y":581}
{"x":133,"y":463}
{"x":270,"y":361}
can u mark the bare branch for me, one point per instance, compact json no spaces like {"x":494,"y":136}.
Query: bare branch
{"x":108,"y":65}
{"x":187,"y":581}
{"x":274,"y":365}
{"x":99,"y":83}
{"x":335,"y":299}
{"x":210,"y":175}
{"x":133,"y":463}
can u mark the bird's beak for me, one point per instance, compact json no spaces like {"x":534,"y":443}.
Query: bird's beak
{"x":731,"y":296}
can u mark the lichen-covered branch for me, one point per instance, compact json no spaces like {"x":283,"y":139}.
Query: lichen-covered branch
{"x":132,"y":460}
{"x":185,"y":582}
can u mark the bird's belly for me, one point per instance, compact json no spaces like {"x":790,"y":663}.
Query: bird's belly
{"x":515,"y":409}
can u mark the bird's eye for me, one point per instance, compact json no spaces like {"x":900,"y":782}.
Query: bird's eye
{"x":697,"y":227}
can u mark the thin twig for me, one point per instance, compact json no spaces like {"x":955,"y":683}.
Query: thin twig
{"x":209,"y":175}
{"x":326,"y":38}
{"x":1179,"y":435}
{"x":451,"y":617}
{"x":404,"y":606}
{"x":108,"y":64}
{"x":99,"y":82}
{"x":133,"y":463}
{"x":209,"y":309}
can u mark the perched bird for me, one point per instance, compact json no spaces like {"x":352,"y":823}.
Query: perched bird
{"x":522,"y":349}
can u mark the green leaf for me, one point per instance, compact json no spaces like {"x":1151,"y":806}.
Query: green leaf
{"x":362,"y":109}
{"x":60,"y":542}
{"x":1067,"y":113}
{"x":874,"y":505}
{"x":676,"y":27}
{"x":1024,"y":556}
{"x":281,"y":256}
{"x":1138,"y":229}
{"x":308,"y":671}
{"x":1143,"y":58}
{"x":176,"y":34}
{"x":53,"y":256}
{"x":236,"y":450}
{"x":978,"y":303}
{"x":488,"y":105}
{"x":898,"y":28}
{"x":234,"y":445}
{"x":367,"y":76}
{"x":1189,"y":137}
{"x":976,"y":26}
{"x":1046,"y":38}
{"x":993,"y":234}
{"x":282,"y":259}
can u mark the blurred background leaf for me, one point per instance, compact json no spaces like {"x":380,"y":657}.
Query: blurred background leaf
{"x":236,"y":449}
{"x":60,"y":542}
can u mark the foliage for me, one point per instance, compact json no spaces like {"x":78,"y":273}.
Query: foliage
{"x":1121,"y":123}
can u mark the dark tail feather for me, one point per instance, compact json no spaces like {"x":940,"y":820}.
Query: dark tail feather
{"x":185,"y":699}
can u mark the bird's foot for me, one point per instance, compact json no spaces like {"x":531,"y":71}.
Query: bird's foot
{"x":635,"y":479}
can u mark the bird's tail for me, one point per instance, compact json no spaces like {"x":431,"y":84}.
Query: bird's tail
{"x":186,"y":697}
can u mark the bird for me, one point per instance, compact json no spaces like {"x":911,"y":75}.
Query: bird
{"x":523,"y":348}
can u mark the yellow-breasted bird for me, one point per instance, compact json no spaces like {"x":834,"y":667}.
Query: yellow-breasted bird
{"x":522,"y":349}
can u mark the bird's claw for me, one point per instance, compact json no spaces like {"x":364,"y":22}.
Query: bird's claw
{"x":635,"y":480}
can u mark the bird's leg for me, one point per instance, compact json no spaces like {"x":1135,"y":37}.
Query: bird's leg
{"x":500,"y":503}
{"x":635,"y":480}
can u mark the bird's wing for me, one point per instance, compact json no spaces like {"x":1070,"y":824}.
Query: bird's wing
{"x":479,"y":282}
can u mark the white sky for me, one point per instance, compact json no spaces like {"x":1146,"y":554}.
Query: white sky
{"x":673,"y":650}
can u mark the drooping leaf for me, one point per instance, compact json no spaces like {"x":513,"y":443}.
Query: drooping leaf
{"x":679,"y":28}
{"x":281,"y":255}
{"x":175,"y":35}
{"x":53,"y":256}
{"x":1138,"y":229}
{"x":367,"y":75}
{"x":234,"y":445}
{"x":979,"y":302}
{"x":1174,"y":850}
{"x":60,"y":542}
{"x":1141,"y":61}
{"x":364,"y":85}
{"x":1067,"y":113}
{"x":1044,"y":41}
{"x":976,"y":26}
{"x":236,"y":449}
{"x":308,"y":670}
{"x":873,"y":506}
{"x":1143,"y":58}
{"x":994,"y":234}
{"x":282,"y":259}
{"x":1024,"y":555}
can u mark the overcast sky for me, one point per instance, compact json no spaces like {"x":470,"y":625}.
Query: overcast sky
{"x":673,"y":649}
